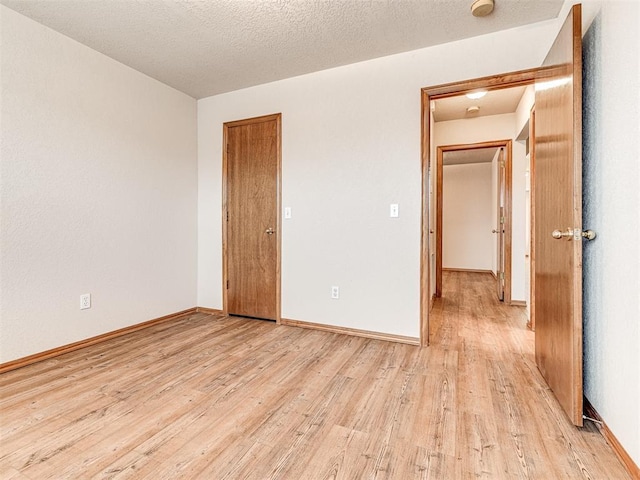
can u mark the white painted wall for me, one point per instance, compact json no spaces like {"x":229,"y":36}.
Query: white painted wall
{"x":351,"y":146}
{"x":611,"y":201}
{"x":467,"y":217}
{"x":498,"y":127}
{"x":98,"y":192}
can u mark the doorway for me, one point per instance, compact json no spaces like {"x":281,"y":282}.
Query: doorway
{"x":478,"y":154}
{"x":251,"y":217}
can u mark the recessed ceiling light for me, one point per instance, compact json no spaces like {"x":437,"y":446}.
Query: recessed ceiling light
{"x":476,"y":95}
{"x":473,"y":109}
{"x":482,"y":8}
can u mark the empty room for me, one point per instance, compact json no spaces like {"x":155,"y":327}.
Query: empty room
{"x":319,"y":239}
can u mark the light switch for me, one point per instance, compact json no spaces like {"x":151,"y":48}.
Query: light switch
{"x":287,"y":212}
{"x":393,"y":210}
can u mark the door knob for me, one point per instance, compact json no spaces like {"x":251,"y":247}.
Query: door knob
{"x":494,"y":231}
{"x":269,"y":231}
{"x":557,"y":234}
{"x":589,"y":234}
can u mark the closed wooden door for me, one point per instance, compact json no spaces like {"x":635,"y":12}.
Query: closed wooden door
{"x":558,"y":213}
{"x":251,"y":251}
{"x":500,"y":229}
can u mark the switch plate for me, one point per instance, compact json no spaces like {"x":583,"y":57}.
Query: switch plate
{"x":393,"y":210}
{"x":85,"y":301}
{"x":335,"y":292}
{"x":287,"y":212}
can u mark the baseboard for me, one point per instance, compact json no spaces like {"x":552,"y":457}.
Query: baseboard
{"x":54,"y":352}
{"x":389,"y":337}
{"x":210,"y":311}
{"x":466,"y":270}
{"x":611,"y":439}
{"x":518,"y":303}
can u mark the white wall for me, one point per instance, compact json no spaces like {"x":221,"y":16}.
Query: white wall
{"x":467,"y":217}
{"x":611,"y":187}
{"x":498,"y":127}
{"x":98,"y":190}
{"x":351,"y":146}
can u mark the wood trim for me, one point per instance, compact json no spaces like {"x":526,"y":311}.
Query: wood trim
{"x":491,"y":82}
{"x":209,"y":311}
{"x":426,"y":299}
{"x":467,"y":270}
{"x":493,"y":274}
{"x":225,"y":128}
{"x":439,"y":181}
{"x":54,"y":352}
{"x":518,"y":303}
{"x":613,"y":442}
{"x":389,"y":337}
{"x":532,"y":218}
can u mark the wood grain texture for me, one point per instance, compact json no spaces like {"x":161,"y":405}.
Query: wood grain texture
{"x":55,"y":352}
{"x":558,"y":205}
{"x":212,"y":396}
{"x":251,"y":217}
{"x":352,"y":331}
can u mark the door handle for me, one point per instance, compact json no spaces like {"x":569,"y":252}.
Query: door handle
{"x":494,"y":231}
{"x":269,"y":231}
{"x":568,"y":234}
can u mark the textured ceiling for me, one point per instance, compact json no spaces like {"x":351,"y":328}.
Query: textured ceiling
{"x":495,"y":102}
{"x":206,"y":47}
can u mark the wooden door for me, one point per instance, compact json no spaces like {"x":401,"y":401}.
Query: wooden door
{"x":251,"y":216}
{"x":500,"y":228}
{"x":558,"y":208}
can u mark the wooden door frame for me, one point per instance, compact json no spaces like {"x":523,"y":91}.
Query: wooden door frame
{"x":225,"y":252}
{"x":494,"y":82}
{"x":441,"y":150}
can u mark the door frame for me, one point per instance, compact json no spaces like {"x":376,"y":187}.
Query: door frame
{"x":225,"y":251}
{"x":492,"y":82}
{"x":441,"y":150}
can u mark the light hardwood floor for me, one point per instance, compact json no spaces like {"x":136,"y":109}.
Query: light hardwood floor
{"x":207,"y":397}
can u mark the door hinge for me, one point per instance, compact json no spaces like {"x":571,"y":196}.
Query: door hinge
{"x":227,"y":284}
{"x":502,"y":220}
{"x":501,"y":275}
{"x":227,"y":216}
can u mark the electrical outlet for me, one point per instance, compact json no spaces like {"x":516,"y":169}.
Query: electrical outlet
{"x":85,"y":301}
{"x":335,"y":292}
{"x":287,"y":212}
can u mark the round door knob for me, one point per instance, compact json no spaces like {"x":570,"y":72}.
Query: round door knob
{"x":494,"y":231}
{"x":558,"y":234}
{"x":269,"y":231}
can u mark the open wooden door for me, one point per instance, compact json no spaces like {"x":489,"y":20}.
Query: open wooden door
{"x":558,"y":217}
{"x":500,"y":226}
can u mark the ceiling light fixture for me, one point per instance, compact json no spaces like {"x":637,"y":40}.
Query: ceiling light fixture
{"x":476,"y":95}
{"x":482,"y":8}
{"x":473,"y":109}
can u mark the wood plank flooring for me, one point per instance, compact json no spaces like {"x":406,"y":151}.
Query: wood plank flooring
{"x":212,"y":397}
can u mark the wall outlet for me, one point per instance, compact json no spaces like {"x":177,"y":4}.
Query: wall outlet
{"x":335,"y":292}
{"x":287,"y":212}
{"x":85,"y":301}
